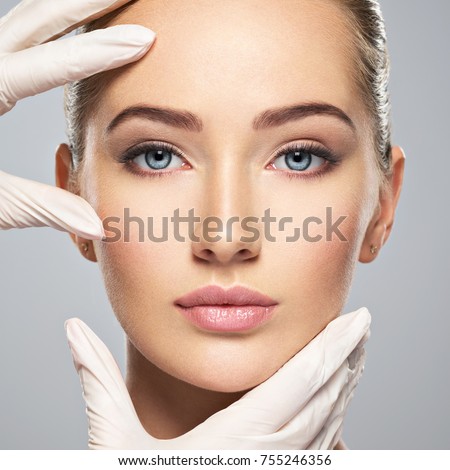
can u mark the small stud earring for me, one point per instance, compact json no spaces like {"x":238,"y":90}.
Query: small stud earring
{"x":373,"y":249}
{"x":85,"y":247}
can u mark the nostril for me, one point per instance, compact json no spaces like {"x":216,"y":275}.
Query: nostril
{"x":245,"y":253}
{"x":204,"y":255}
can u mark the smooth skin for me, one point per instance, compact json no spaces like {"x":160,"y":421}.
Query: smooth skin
{"x":227,"y":62}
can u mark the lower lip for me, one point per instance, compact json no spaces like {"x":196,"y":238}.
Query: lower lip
{"x":232,"y":318}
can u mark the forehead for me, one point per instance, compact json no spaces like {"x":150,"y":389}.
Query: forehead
{"x":252,"y":54}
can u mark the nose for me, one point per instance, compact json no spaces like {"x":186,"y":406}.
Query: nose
{"x":228,"y":231}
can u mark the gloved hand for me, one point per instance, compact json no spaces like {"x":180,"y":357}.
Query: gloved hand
{"x":301,"y":406}
{"x":26,"y":70}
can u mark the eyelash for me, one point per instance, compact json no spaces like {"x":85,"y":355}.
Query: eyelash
{"x":330,"y":157}
{"x":128,"y":157}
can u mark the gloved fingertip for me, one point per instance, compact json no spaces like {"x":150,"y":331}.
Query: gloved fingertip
{"x":78,"y":336}
{"x":74,"y":331}
{"x":146,"y":35}
{"x":363,"y":313}
{"x":92,"y":232}
{"x":361,"y":317}
{"x":69,"y":322}
{"x":135,"y":33}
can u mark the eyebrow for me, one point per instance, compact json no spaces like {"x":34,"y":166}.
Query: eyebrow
{"x":267,"y":119}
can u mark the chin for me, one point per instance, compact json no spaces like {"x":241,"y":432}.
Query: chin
{"x":227,"y":376}
{"x":226,"y":384}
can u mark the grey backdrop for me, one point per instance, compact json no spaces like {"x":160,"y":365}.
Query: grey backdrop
{"x":402,"y":400}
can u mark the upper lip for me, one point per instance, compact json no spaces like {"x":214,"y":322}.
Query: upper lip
{"x":216,"y":295}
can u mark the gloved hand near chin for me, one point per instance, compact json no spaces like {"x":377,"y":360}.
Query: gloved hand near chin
{"x":301,"y":406}
{"x":26,"y":70}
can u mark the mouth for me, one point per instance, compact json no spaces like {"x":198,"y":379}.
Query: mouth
{"x":216,"y":309}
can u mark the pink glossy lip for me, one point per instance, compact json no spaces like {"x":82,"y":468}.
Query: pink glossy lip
{"x":217,"y":309}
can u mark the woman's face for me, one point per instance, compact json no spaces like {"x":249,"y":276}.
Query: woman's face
{"x":226,"y":63}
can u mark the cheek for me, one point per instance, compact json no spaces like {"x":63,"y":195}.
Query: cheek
{"x":141,"y":279}
{"x":313,"y":273}
{"x":139,"y":273}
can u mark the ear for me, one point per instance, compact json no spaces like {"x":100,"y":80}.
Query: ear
{"x":380,"y":226}
{"x":63,"y":178}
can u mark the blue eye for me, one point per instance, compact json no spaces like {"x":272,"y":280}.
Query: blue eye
{"x":158,"y":159}
{"x":301,"y":158}
{"x":152,"y":158}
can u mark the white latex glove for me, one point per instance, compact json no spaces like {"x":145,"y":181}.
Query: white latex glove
{"x":26,"y":70}
{"x":301,"y":406}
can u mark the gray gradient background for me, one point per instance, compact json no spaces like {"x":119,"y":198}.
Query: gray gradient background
{"x":402,"y":399}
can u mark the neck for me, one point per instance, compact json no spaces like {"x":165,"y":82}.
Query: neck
{"x":169,"y":407}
